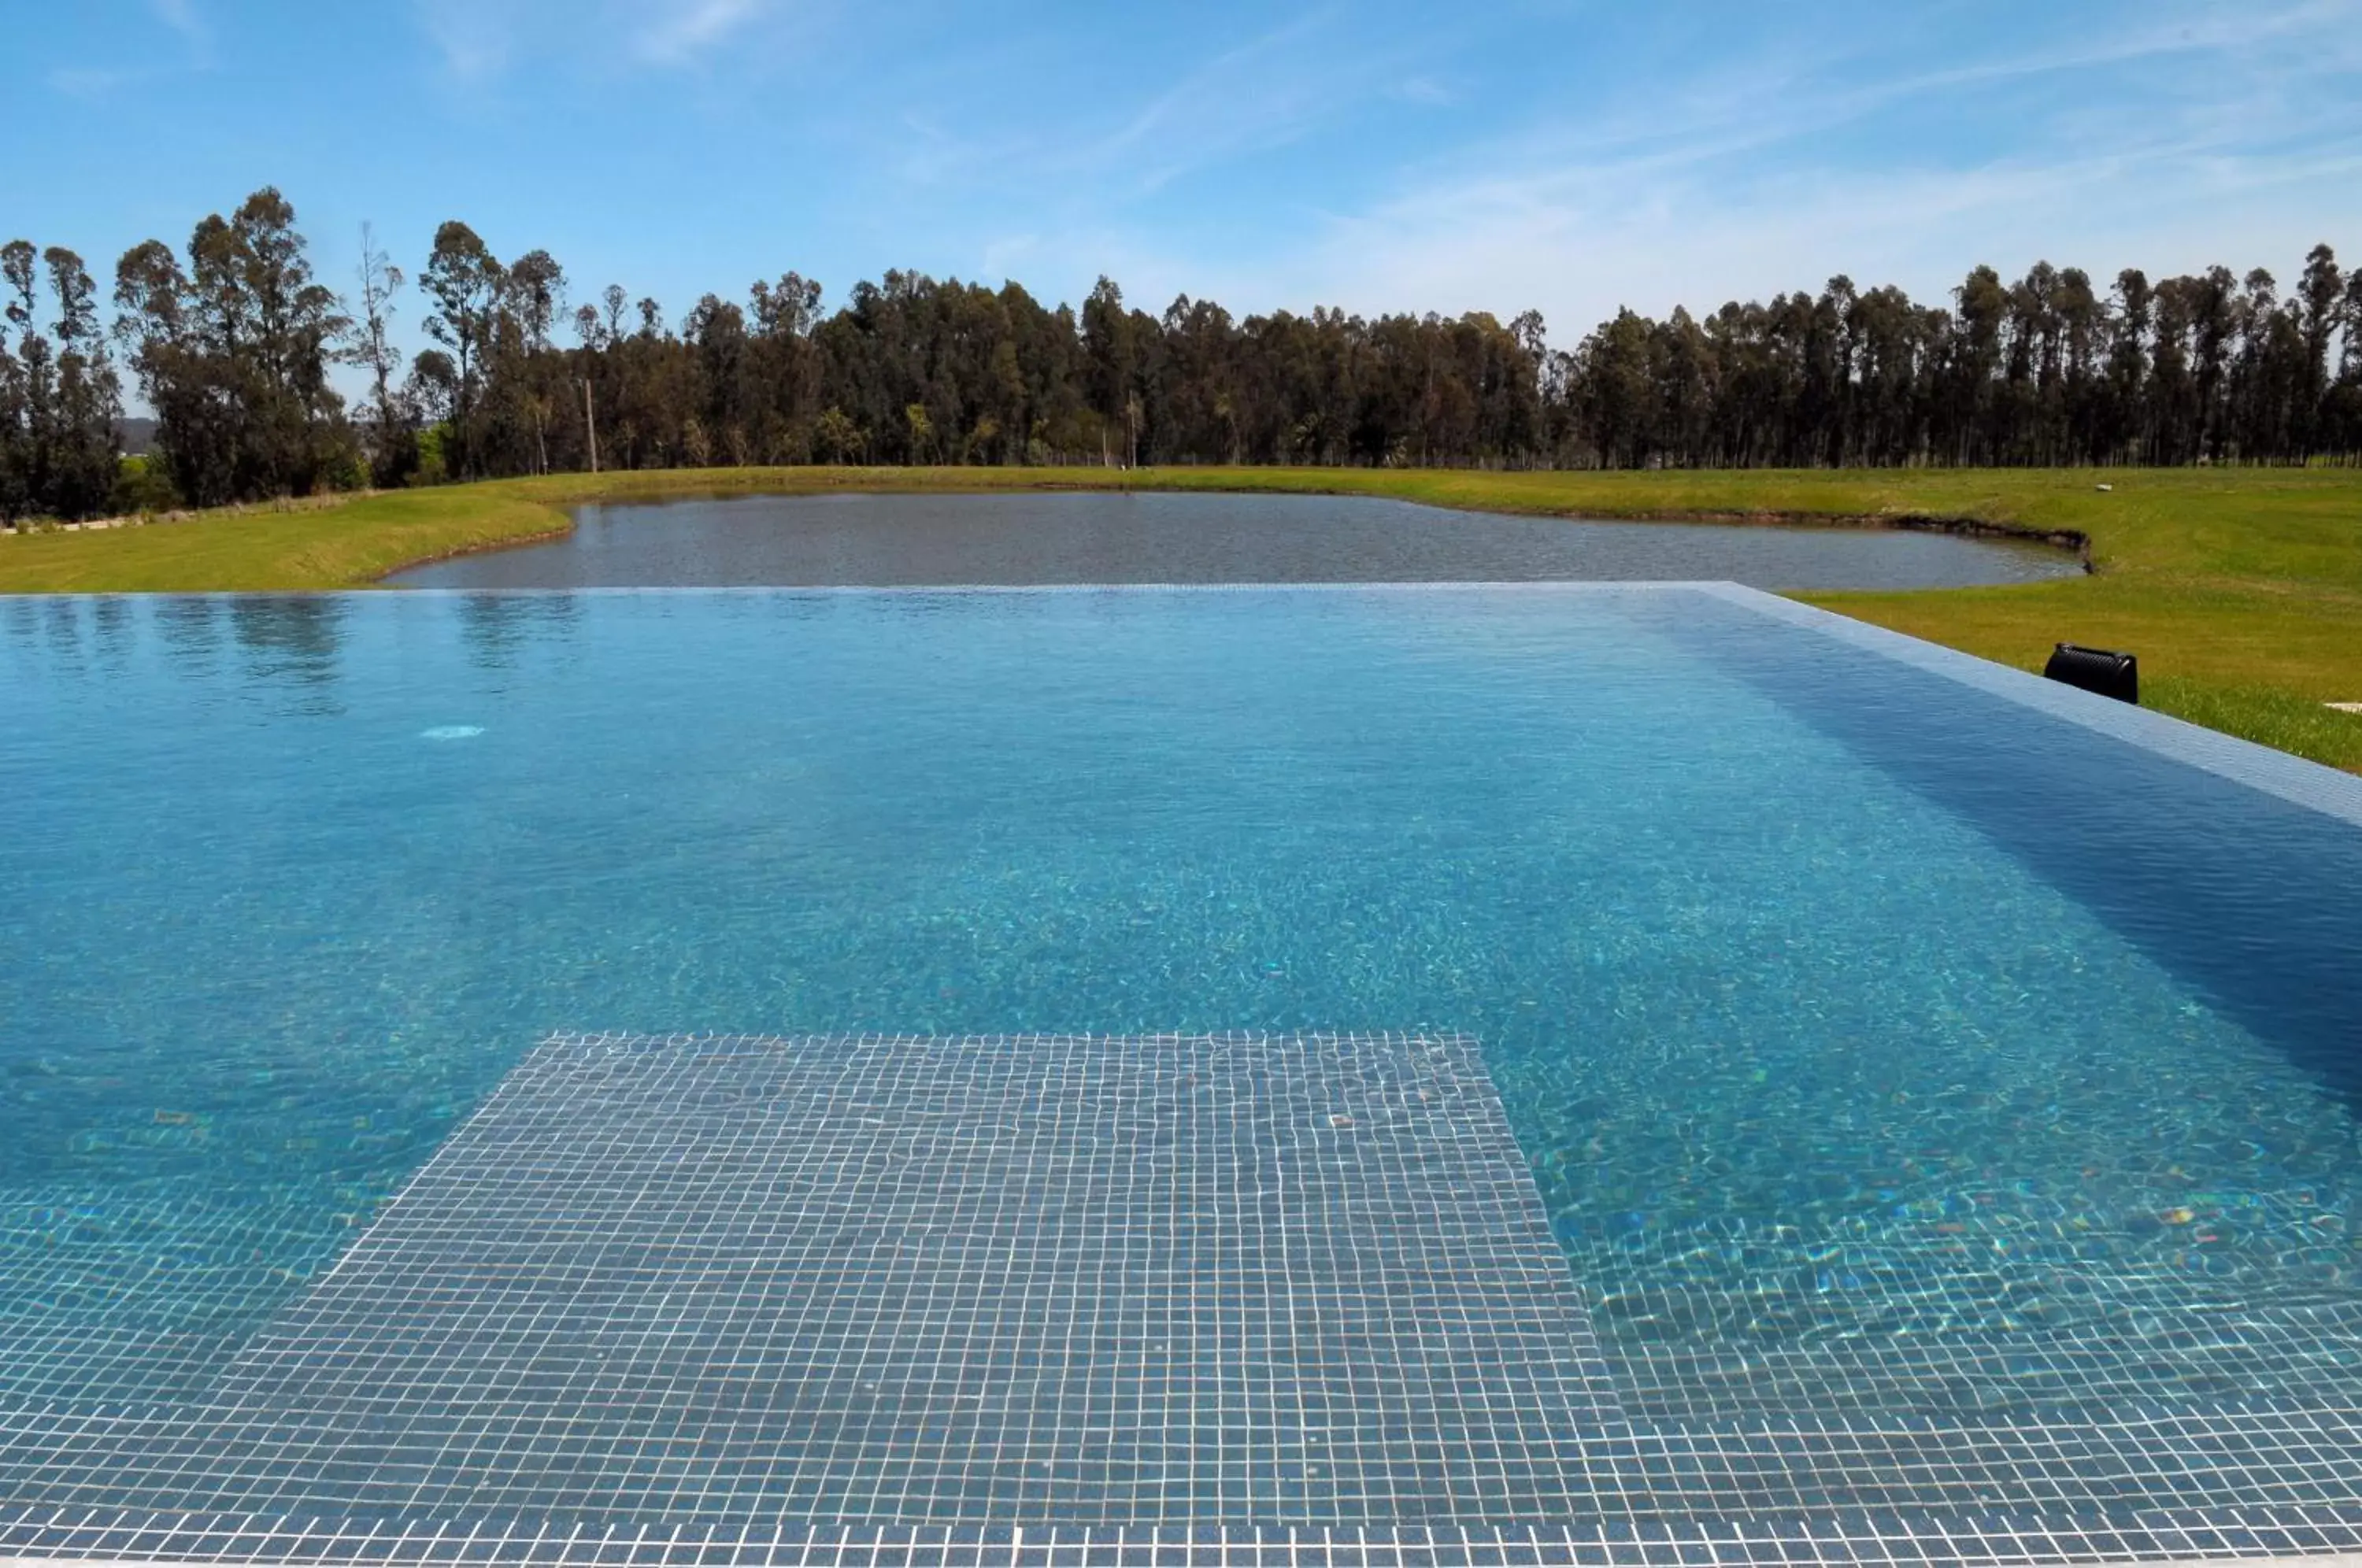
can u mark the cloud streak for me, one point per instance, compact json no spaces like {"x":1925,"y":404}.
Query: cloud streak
{"x":681,"y":32}
{"x":2163,"y":147}
{"x":182,"y":16}
{"x":181,"y":19}
{"x":481,"y":39}
{"x":1256,"y":95}
{"x":473,"y":38}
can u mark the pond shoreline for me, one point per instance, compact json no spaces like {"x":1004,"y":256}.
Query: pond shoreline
{"x":2072,"y":540}
{"x":944,"y":535}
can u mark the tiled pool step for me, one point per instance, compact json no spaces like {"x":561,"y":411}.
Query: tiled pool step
{"x":1291,"y":1298}
{"x":2257,"y":1464}
{"x":2316,"y":1538}
{"x":1173,"y":1277}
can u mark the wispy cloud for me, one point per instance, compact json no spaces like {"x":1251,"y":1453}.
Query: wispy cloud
{"x":473,"y":38}
{"x":1260,"y":93}
{"x":90,"y":83}
{"x":186,"y":25}
{"x":182,"y":18}
{"x":1052,"y":128}
{"x":2159,"y":145}
{"x":1783,"y":96}
{"x":480,"y":40}
{"x":681,"y":31}
{"x":1045,"y":137}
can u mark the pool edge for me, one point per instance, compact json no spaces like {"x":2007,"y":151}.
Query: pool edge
{"x":2281,"y":774}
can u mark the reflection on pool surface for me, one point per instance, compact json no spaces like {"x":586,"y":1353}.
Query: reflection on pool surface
{"x":1152,"y":537}
{"x":1882,"y":1048}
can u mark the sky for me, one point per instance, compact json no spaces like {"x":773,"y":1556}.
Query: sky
{"x":1568,"y":157}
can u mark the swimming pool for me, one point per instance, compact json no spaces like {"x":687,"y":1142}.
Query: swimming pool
{"x":1903,"y":1051}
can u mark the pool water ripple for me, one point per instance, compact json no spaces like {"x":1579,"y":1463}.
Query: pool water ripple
{"x":1840,"y":1101}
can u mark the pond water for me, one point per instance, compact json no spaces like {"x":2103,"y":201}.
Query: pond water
{"x":792,"y":541}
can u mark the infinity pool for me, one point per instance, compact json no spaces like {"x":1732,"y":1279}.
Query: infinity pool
{"x":1892,"y":1040}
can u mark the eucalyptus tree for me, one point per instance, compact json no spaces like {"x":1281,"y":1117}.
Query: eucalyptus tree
{"x":783,"y":368}
{"x":88,"y":399}
{"x":28,"y":387}
{"x":2042,"y":368}
{"x":16,"y":479}
{"x":2212,"y":323}
{"x":232,"y":354}
{"x":527,"y":370}
{"x":298,"y":324}
{"x":1111,"y":350}
{"x":466,"y":281}
{"x":2320,"y":300}
{"x":725,"y":410}
{"x":181,"y":360}
{"x":60,"y":396}
{"x":393,"y":440}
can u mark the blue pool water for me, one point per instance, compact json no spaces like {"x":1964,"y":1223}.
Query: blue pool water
{"x":1879,"y":1044}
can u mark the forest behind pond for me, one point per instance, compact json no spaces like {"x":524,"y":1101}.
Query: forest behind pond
{"x":233,"y":342}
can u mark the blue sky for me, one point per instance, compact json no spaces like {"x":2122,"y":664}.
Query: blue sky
{"x":1568,"y":157}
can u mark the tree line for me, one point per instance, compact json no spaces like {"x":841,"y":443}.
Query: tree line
{"x":232,"y":342}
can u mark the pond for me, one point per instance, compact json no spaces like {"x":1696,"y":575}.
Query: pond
{"x":794,"y":541}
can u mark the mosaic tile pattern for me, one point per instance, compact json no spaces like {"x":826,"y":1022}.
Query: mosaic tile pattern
{"x":1245,"y":1298}
{"x":1235,"y":1278}
{"x":1992,"y":1539}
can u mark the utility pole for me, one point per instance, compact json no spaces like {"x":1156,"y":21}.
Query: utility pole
{"x":590,"y":424}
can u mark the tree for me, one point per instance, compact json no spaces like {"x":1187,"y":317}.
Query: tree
{"x":59,"y":393}
{"x":531,"y":372}
{"x":297,"y":327}
{"x":24,"y":395}
{"x":2042,"y":368}
{"x":432,"y":389}
{"x":2321,"y":299}
{"x":393,"y":442}
{"x":16,"y":480}
{"x":88,"y":398}
{"x":33,"y":384}
{"x":183,"y":372}
{"x":465,"y":280}
{"x":840,"y":438}
{"x":233,"y":354}
{"x":1111,"y":352}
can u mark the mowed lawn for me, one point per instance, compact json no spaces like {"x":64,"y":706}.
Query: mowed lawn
{"x":2241,"y":590}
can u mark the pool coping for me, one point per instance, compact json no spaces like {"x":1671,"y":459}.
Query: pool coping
{"x":2290,"y":777}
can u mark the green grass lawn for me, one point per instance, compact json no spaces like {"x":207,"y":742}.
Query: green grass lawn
{"x":2241,"y":590}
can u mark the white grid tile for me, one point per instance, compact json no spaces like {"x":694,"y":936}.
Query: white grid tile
{"x":1238,"y":1298}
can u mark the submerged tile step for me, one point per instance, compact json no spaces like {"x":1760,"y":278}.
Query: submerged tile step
{"x":1232,"y":1279}
{"x":1051,"y":1300}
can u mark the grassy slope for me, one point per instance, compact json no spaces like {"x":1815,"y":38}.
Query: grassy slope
{"x":2240,"y":589}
